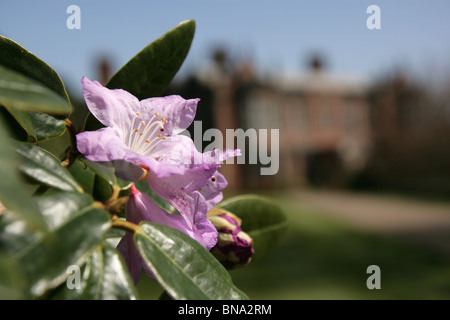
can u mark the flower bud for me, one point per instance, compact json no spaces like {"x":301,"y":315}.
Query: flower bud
{"x":234,"y":247}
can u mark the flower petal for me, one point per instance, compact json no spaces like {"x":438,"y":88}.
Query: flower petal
{"x":212,"y":192}
{"x":178,"y":112}
{"x":101,"y":145}
{"x":113,"y":108}
{"x":195,"y":224}
{"x":131,"y":256}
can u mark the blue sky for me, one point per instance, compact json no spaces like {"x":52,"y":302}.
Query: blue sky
{"x":277,"y":35}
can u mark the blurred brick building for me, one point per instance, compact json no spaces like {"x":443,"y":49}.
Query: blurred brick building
{"x":323,"y":120}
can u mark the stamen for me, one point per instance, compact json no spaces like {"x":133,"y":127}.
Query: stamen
{"x":132,"y":126}
{"x":164,"y":120}
{"x":157,"y":114}
{"x":146,"y":135}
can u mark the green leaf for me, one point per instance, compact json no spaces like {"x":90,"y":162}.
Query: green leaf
{"x":12,"y":279}
{"x":105,"y":277}
{"x":182,"y":266}
{"x":13,"y":194}
{"x":262,"y":218}
{"x":108,"y":174}
{"x":17,"y":58}
{"x":149,"y":72}
{"x":46,"y":126}
{"x":83,"y":175}
{"x":38,"y":125}
{"x":45,"y":168}
{"x":21,"y":92}
{"x":75,"y":228}
{"x":102,"y":190}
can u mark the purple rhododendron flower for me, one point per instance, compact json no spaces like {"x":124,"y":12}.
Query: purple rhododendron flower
{"x":146,"y":134}
{"x":140,"y":207}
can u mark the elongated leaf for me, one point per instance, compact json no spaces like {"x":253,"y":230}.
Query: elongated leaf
{"x":107,"y":173}
{"x":105,"y":277}
{"x":106,"y":170}
{"x":21,"y":92}
{"x":45,"y":168}
{"x":83,"y":175}
{"x":46,"y":126}
{"x":19,"y":59}
{"x":13,"y":194}
{"x":182,"y":266}
{"x":149,"y":72}
{"x":75,"y":228}
{"x":262,"y":218}
{"x":38,"y":125}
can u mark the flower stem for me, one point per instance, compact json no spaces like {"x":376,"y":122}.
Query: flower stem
{"x":125,"y":225}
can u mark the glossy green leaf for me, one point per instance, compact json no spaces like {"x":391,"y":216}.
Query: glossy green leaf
{"x":102,"y":190}
{"x":24,"y":93}
{"x":83,"y":175}
{"x":262,"y":218}
{"x":149,"y":72}
{"x":108,"y":173}
{"x":104,"y":277}
{"x":17,"y":58}
{"x":75,"y":228}
{"x":38,"y":125}
{"x":13,"y":193}
{"x":182,"y":266}
{"x":45,"y":168}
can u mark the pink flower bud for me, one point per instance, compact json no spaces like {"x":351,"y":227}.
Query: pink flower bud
{"x":234,"y":247}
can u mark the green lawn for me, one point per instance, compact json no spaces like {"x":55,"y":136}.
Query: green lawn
{"x":320,"y":258}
